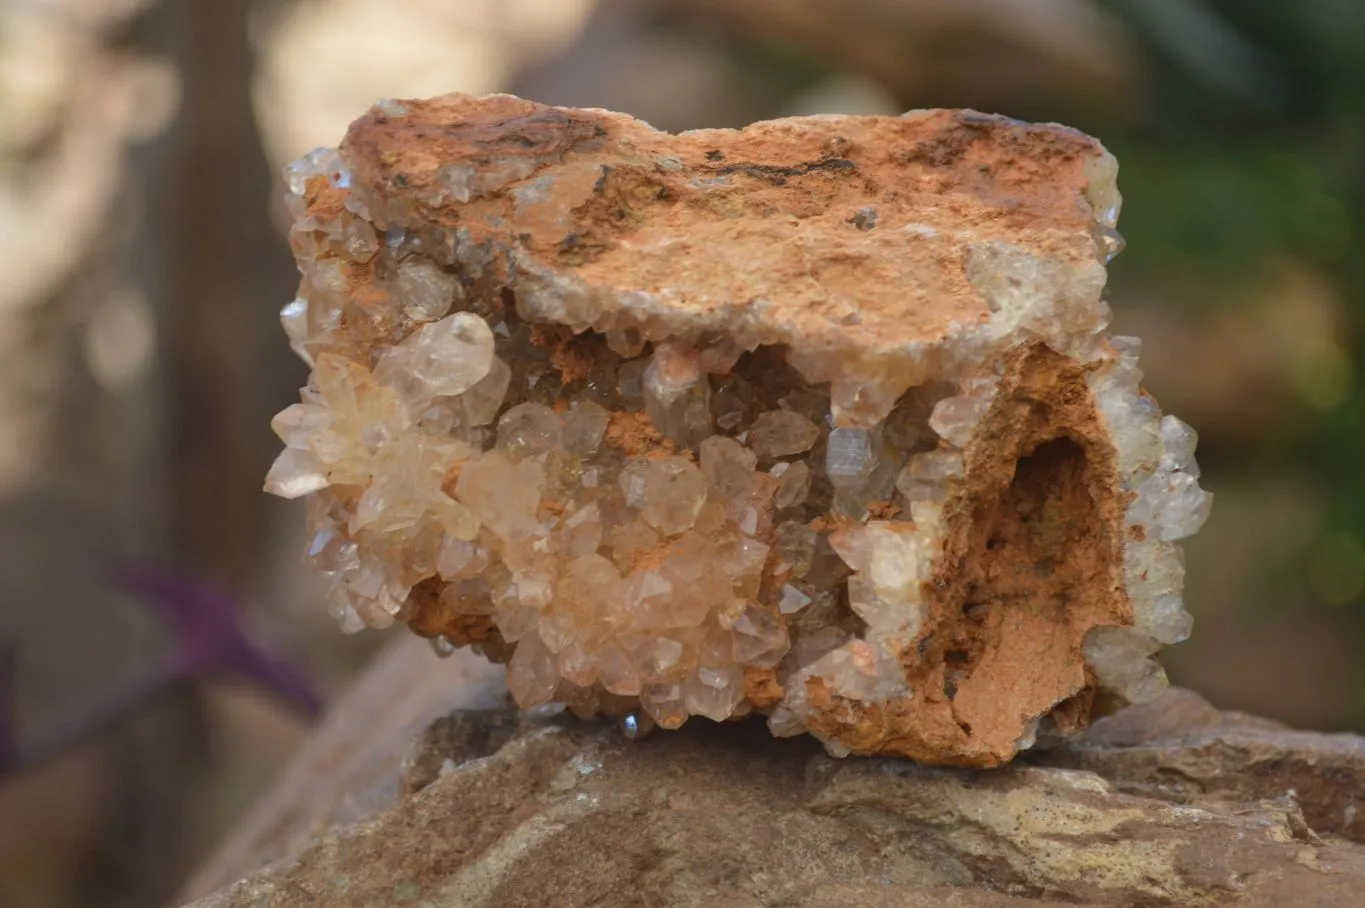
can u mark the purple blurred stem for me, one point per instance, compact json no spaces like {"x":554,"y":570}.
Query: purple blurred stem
{"x":211,"y":638}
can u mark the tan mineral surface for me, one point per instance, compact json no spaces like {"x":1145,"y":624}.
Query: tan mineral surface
{"x":818,"y":419}
{"x":1171,"y":803}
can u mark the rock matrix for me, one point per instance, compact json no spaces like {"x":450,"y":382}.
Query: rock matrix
{"x":817,"y":419}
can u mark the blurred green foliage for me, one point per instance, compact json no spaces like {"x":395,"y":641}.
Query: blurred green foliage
{"x":1250,"y":148}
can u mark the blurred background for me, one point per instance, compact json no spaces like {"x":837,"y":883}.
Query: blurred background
{"x":161,"y":649}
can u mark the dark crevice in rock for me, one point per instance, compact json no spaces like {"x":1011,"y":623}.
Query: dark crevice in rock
{"x":453,"y":740}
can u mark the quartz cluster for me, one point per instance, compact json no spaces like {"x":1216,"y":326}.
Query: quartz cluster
{"x":818,"y":419}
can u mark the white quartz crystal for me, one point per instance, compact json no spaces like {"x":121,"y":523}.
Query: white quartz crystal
{"x":441,"y":359}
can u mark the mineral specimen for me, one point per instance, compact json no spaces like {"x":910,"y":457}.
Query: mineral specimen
{"x":817,"y":419}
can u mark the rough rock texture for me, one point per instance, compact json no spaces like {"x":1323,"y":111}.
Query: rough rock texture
{"x":1170,"y":803}
{"x":818,"y":419}
{"x":357,"y":762}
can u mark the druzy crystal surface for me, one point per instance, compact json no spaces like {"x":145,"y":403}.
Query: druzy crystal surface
{"x":818,"y":419}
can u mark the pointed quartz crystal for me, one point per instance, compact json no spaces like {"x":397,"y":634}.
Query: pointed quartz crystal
{"x":440,"y":359}
{"x":669,"y":492}
{"x":781,"y":433}
{"x":296,"y":473}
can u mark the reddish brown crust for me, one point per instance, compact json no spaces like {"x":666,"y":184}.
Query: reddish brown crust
{"x":761,"y":688}
{"x":633,"y":434}
{"x":716,"y":219}
{"x":1011,"y":599}
{"x":430,"y":617}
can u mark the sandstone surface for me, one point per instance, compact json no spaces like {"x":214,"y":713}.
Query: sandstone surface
{"x":1172,"y":803}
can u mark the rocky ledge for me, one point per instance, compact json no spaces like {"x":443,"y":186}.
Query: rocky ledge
{"x":451,"y":800}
